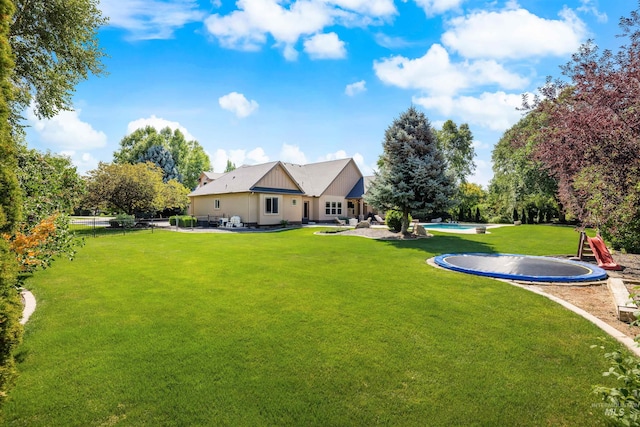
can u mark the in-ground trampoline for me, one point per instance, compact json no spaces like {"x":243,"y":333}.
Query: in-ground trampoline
{"x":521,"y":267}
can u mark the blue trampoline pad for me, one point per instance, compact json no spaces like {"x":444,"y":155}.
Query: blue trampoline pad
{"x":522,"y":267}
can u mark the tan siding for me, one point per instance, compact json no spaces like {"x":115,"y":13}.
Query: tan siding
{"x":241,"y":204}
{"x":277,"y":178}
{"x":344,"y":182}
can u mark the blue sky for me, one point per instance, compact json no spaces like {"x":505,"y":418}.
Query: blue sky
{"x":310,"y":80}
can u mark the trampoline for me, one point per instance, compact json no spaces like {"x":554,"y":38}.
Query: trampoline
{"x":521,"y":267}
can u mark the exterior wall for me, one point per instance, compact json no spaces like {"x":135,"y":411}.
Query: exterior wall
{"x":241,"y":204}
{"x":286,"y":209}
{"x":277,"y":178}
{"x":337,"y":191}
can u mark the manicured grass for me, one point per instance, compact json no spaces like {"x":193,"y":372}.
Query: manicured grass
{"x":291,"y":328}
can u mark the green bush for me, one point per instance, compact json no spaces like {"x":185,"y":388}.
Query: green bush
{"x":393,"y":219}
{"x":122,"y":221}
{"x":622,"y":403}
{"x":183,"y":220}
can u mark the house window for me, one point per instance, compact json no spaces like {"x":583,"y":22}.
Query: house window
{"x":216,"y":203}
{"x":333,"y":208}
{"x":271,"y":205}
{"x":294,"y":202}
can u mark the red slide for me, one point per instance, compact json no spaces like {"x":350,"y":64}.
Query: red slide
{"x":602,"y":254}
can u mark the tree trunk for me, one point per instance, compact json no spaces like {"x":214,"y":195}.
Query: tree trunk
{"x":405,"y":222}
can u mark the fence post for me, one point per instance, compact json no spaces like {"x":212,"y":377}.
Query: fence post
{"x":94,"y":226}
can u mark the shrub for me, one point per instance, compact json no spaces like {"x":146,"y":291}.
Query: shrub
{"x":622,"y":403}
{"x":393,"y":219}
{"x":183,"y":220}
{"x":122,"y":220}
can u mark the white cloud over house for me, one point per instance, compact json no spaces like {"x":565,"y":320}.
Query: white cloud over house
{"x":292,"y":154}
{"x":238,"y":104}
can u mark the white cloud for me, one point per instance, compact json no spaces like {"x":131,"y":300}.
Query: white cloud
{"x":588,"y":6}
{"x":82,"y":161}
{"x":150,"y":19}
{"x":483,"y":173}
{"x":249,"y":27}
{"x":340,"y":154}
{"x":238,"y":157}
{"x":66,"y":131}
{"x":238,"y":104}
{"x":367,"y":170}
{"x":292,"y":154}
{"x":325,"y":46}
{"x":514,"y":33}
{"x":496,"y":111}
{"x":159,"y":124}
{"x":435,"y":73}
{"x":433,"y":7}
{"x":355,"y":88}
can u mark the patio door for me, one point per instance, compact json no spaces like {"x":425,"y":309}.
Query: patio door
{"x":305,"y":212}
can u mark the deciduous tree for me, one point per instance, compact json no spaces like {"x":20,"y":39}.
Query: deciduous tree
{"x":189,"y":157}
{"x":456,"y":144}
{"x":594,"y":128}
{"x":412,"y":171}
{"x":132,"y":188}
{"x":56,"y":46}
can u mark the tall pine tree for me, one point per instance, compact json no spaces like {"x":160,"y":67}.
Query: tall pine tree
{"x":10,"y":305}
{"x":412,"y":170}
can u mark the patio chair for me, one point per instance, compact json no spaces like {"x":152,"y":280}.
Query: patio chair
{"x":378,"y":219}
{"x":340,"y":221}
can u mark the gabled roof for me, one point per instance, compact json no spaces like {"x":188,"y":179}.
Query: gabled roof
{"x":361,"y":187}
{"x":212,"y":176}
{"x":240,"y":180}
{"x":312,"y":179}
{"x":315,"y":178}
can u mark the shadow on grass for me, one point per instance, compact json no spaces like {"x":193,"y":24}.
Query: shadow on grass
{"x":440,"y":244}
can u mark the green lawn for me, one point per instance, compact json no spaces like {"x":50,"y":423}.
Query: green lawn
{"x":291,"y":328}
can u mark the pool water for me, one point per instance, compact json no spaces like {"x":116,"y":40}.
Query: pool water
{"x":448,"y":226}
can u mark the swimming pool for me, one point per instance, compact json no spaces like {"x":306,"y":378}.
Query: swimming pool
{"x":449,"y":226}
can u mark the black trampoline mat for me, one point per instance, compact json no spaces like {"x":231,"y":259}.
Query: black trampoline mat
{"x":518,"y":265}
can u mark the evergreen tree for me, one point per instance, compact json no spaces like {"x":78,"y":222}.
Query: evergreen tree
{"x":230,"y":166}
{"x":412,"y":172}
{"x":10,"y":204}
{"x":161,"y":157}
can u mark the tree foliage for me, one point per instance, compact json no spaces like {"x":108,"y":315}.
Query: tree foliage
{"x":10,"y":212}
{"x":519,"y":180}
{"x":189,"y":157}
{"x":51,"y":189}
{"x":230,"y":166}
{"x":161,"y":157}
{"x":412,"y":171}
{"x":457,"y":146}
{"x":594,"y":128}
{"x":56,"y":46}
{"x":132,"y":188}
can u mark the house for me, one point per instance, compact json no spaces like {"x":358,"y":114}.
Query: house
{"x":207,"y":177}
{"x":269,"y":193}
